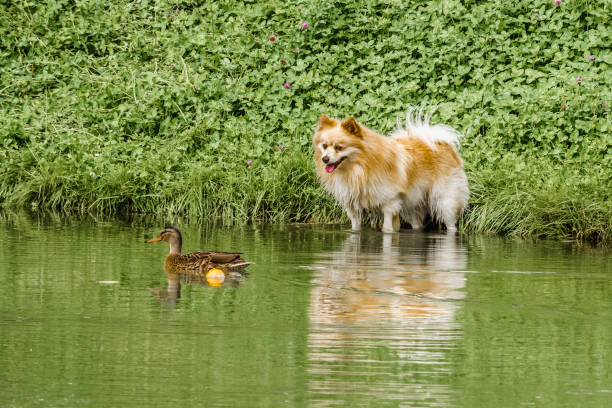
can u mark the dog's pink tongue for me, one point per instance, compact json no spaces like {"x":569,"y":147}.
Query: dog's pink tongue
{"x":330,"y":167}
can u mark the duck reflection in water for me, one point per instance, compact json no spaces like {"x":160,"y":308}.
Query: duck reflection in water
{"x":170,"y":295}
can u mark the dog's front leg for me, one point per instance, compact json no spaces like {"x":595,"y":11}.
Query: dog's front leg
{"x":355,"y":215}
{"x":391,"y":221}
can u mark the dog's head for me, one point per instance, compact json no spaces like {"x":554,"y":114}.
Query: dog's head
{"x":336,"y":142}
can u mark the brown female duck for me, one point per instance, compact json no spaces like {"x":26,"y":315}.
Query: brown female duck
{"x":200,"y":261}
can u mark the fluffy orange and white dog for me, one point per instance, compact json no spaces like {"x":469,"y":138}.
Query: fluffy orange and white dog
{"x":415,"y":171}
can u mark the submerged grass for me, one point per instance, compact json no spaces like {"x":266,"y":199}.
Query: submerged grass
{"x":192,"y":107}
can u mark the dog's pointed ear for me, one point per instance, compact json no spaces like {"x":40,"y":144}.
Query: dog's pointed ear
{"x":325,"y":122}
{"x":351,"y":126}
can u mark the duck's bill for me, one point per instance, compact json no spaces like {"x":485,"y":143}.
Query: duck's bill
{"x":156,"y":239}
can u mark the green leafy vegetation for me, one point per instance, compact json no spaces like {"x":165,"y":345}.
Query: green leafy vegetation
{"x":192,"y":107}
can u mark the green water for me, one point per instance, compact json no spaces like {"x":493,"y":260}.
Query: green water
{"x":324,"y":318}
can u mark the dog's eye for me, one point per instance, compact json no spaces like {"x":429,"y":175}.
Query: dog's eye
{"x":324,"y":145}
{"x":338,"y":148}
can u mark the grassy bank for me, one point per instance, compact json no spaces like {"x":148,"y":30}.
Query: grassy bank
{"x":207,"y":108}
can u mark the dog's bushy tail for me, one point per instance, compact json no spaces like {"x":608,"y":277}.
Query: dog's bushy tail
{"x":417,"y":125}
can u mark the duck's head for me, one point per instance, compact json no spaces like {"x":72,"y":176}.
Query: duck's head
{"x":172,"y":236}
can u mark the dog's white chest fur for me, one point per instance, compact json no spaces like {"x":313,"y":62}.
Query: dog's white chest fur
{"x":357,"y":190}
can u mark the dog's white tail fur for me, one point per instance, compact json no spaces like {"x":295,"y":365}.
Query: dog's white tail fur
{"x":417,"y":125}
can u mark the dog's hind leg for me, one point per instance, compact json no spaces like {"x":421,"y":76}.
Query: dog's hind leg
{"x":449,"y":198}
{"x":445,"y":210}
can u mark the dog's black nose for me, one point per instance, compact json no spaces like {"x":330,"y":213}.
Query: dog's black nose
{"x":325,"y":159}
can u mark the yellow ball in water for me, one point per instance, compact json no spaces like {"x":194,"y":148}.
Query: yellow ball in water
{"x":215,"y":277}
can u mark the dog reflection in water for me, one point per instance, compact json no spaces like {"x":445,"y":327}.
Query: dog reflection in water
{"x":383,"y":314}
{"x":379,"y":276}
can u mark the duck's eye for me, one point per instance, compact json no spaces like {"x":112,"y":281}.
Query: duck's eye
{"x":338,"y":148}
{"x":324,"y":146}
